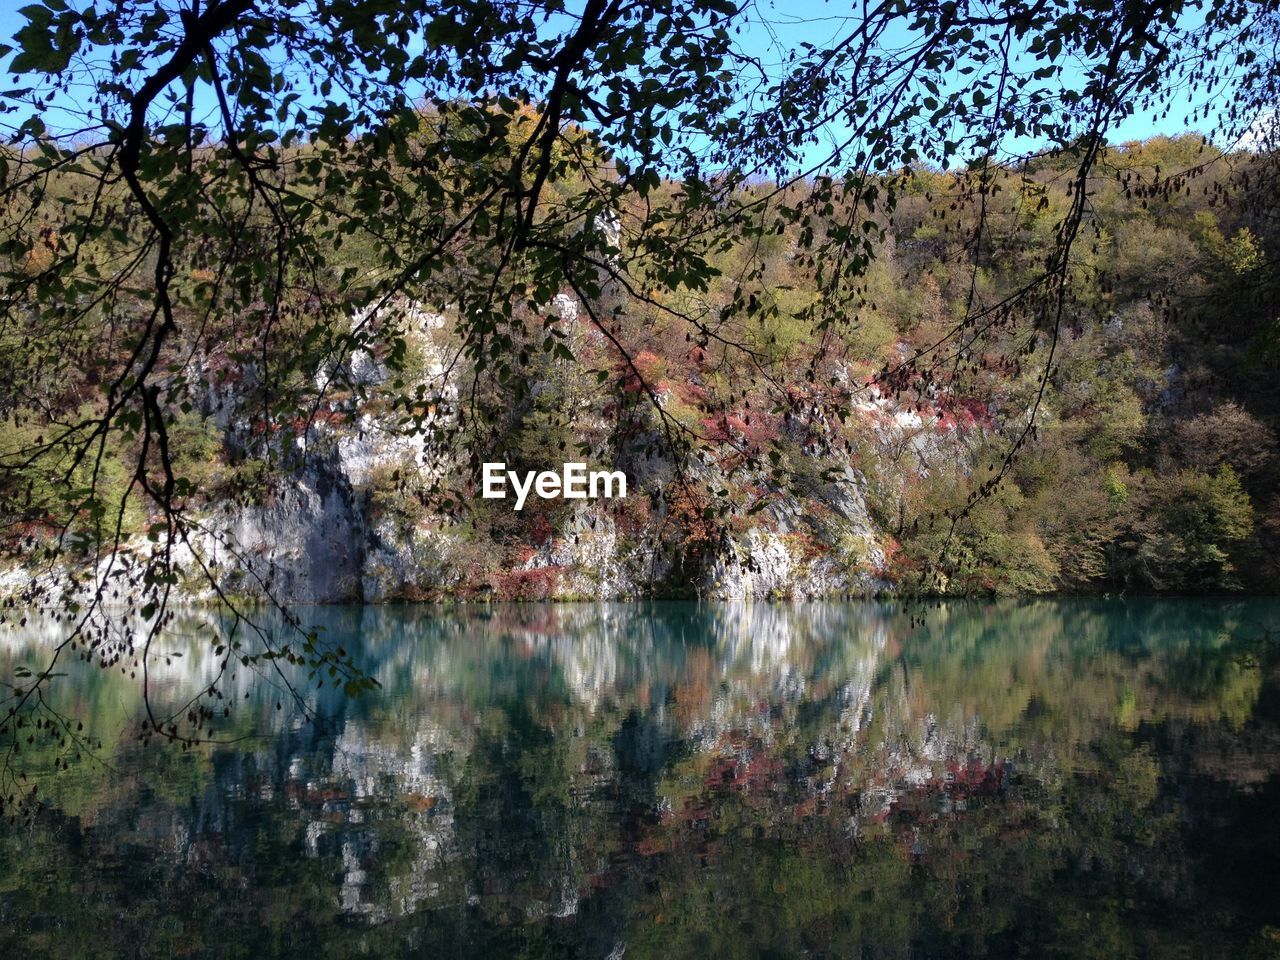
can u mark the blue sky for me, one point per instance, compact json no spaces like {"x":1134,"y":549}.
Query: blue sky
{"x":774,"y":26}
{"x":792,"y":22}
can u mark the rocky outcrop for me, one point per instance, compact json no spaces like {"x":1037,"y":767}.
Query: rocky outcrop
{"x":305,"y":543}
{"x":320,"y":529}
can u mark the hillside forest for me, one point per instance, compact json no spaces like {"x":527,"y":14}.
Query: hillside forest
{"x":1129,"y":446}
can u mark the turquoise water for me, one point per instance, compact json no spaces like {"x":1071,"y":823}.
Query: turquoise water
{"x":1038,"y":779}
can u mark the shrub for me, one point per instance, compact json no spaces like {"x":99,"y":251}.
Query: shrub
{"x":1199,"y":528}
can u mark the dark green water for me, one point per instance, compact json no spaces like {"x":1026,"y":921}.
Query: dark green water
{"x":1040,"y":779}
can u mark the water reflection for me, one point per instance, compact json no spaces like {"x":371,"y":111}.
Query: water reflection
{"x":1033,"y":779}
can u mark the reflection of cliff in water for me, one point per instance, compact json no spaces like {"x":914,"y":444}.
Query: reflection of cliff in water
{"x":522,"y":761}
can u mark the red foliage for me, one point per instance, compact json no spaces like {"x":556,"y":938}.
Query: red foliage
{"x":754,"y":428}
{"x":542,"y":529}
{"x":650,"y":366}
{"x":632,"y":515}
{"x":331,"y":418}
{"x":807,"y":545}
{"x":537,"y":584}
{"x":962,"y":414}
{"x":24,"y":534}
{"x":896,"y":563}
{"x":644,"y":370}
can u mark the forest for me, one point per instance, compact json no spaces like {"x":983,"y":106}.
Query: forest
{"x":957,"y":320}
{"x":1145,"y":459}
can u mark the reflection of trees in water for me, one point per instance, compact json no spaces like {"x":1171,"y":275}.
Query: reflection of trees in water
{"x":821,"y":766}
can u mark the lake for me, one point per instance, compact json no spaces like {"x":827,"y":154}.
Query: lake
{"x":1086,"y":778}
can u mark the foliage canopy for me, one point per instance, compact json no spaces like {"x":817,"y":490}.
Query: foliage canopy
{"x":215,"y":190}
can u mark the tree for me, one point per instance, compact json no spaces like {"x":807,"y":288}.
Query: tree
{"x":224,"y":185}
